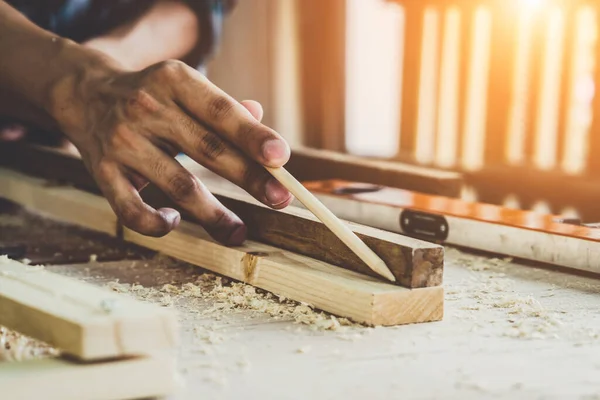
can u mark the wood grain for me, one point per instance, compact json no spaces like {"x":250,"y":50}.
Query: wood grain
{"x":341,"y":292}
{"x":413,"y":263}
{"x":82,"y":320}
{"x":337,"y":227}
{"x":62,"y":202}
{"x":310,"y":164}
{"x":65,"y":379}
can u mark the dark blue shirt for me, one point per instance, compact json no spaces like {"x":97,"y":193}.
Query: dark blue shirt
{"x":80,"y":20}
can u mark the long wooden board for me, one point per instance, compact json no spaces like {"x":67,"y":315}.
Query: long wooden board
{"x":59,"y":201}
{"x":345,"y":293}
{"x":64,"y":379}
{"x":517,"y":233}
{"x":311,"y":164}
{"x":342,"y":292}
{"x":82,"y":320}
{"x":414,"y":263}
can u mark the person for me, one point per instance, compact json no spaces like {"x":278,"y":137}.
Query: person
{"x":119,"y":79}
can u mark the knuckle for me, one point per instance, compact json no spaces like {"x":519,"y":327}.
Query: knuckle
{"x":105,"y":170}
{"x":248,"y":131}
{"x":170,"y":70}
{"x":122,"y":137}
{"x":252,"y":177}
{"x":211,"y":145}
{"x":158,"y":167}
{"x":219,"y":217}
{"x":219,"y":108}
{"x":130,"y":214}
{"x":182,"y":186}
{"x":140,"y":102}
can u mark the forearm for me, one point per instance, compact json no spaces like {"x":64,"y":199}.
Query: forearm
{"x":168,"y":30}
{"x":32,"y":63}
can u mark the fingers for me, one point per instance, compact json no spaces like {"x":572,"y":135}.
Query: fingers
{"x":230,"y":119}
{"x":255,"y":108}
{"x":187,"y":191}
{"x":223,"y":158}
{"x":129,"y":206}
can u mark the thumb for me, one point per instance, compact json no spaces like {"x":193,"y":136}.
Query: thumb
{"x":254,"y":107}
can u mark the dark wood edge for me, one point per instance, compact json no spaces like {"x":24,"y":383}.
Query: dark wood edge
{"x":315,"y":165}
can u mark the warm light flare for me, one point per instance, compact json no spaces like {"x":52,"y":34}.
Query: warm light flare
{"x":531,"y":3}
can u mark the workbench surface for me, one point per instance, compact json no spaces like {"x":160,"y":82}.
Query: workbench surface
{"x":510,"y":331}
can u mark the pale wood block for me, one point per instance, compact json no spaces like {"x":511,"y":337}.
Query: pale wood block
{"x":82,"y":320}
{"x":60,"y":202}
{"x":342,"y":292}
{"x":62,"y":379}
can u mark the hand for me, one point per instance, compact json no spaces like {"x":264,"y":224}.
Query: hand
{"x":128,"y":126}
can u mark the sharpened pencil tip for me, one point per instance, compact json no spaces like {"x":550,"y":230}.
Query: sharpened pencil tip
{"x":384,"y":271}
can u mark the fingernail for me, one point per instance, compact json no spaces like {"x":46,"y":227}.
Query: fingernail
{"x":171,"y":217}
{"x":176,"y":221}
{"x":238,"y":236}
{"x":275,"y":150}
{"x":276,"y":193}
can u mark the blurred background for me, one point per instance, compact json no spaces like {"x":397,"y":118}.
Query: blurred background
{"x":503,"y":91}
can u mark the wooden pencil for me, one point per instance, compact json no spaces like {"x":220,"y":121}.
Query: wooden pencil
{"x":332,"y":222}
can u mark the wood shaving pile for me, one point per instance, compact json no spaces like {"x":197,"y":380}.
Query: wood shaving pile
{"x":17,"y":347}
{"x":491,"y":289}
{"x":217,"y":296}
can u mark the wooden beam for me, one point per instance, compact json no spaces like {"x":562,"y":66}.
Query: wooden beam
{"x":61,"y":378}
{"x":310,"y":164}
{"x":486,"y":227}
{"x":341,"y":292}
{"x":61,"y":202}
{"x":80,"y":319}
{"x":346,"y":293}
{"x":414,"y":263}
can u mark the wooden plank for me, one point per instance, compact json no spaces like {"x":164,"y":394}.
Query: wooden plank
{"x":64,"y":379}
{"x":82,"y":320}
{"x":305,"y":164}
{"x":500,"y":84}
{"x":466,"y":34}
{"x":62,"y":202}
{"x":557,"y":188}
{"x":322,"y":56}
{"x":411,"y":72}
{"x":341,"y":292}
{"x":535,"y":73}
{"x":413,"y":263}
{"x":310,"y":164}
{"x":47,"y":241}
{"x":592,"y":159}
{"x":485,"y":227}
{"x":566,"y":80}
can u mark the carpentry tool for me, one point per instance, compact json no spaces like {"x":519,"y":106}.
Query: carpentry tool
{"x":523,"y":234}
{"x":332,"y":222}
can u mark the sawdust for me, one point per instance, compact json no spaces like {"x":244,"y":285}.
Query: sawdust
{"x":490,"y":289}
{"x":17,"y":347}
{"x":303,"y":350}
{"x":217,"y":296}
